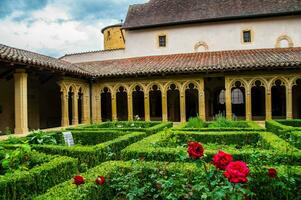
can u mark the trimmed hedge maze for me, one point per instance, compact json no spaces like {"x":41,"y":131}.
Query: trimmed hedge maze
{"x":149,"y":160}
{"x":172,"y":146}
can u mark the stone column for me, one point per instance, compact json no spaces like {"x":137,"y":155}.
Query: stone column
{"x":182,"y":105}
{"x":98,"y":107}
{"x":95,"y":104}
{"x":248,"y":103}
{"x":114,"y":106}
{"x":85,"y":107}
{"x":289,"y":99}
{"x":268,"y":104}
{"x":21,"y":112}
{"x":146,"y":106}
{"x":130,"y":105}
{"x":228,"y":98}
{"x":75,"y":108}
{"x":202,"y":110}
{"x":65,"y":108}
{"x":164,"y":106}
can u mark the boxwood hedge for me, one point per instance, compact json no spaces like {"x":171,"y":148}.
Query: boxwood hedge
{"x":27,"y":184}
{"x":290,"y":130}
{"x":272,"y":149}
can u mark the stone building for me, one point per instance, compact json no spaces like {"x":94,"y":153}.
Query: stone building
{"x":169,"y":60}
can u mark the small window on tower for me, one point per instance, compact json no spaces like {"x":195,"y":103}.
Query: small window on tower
{"x":162,"y":40}
{"x":247,"y":36}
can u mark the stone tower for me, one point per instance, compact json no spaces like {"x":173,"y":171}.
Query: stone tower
{"x":113,"y":37}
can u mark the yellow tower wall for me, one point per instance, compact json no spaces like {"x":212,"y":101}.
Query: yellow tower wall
{"x":113,"y":38}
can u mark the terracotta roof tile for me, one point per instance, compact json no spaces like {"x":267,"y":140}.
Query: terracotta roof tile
{"x":167,"y":12}
{"x":198,"y":62}
{"x":10,"y":54}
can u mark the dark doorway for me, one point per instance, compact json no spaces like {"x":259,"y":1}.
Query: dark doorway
{"x":106,"y":105}
{"x":138,"y":102}
{"x":70,"y":101}
{"x":297,"y":99}
{"x":191,"y":101}
{"x":238,"y":101}
{"x":278,"y":100}
{"x":155,"y":102}
{"x":80,"y":106}
{"x":122,"y":104}
{"x":173,"y":103}
{"x":258,"y":101}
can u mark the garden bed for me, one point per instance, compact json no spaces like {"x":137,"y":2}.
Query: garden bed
{"x":157,"y":180}
{"x":131,"y":126}
{"x":290,"y":130}
{"x":39,"y":174}
{"x":172,"y":145}
{"x":219,"y":124}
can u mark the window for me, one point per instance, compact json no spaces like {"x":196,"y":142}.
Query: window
{"x":237,"y":96}
{"x":162,"y":40}
{"x":247,"y":36}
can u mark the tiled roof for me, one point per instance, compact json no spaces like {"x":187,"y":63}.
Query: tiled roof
{"x":168,"y":12}
{"x":238,"y":60}
{"x":90,"y":52}
{"x":19,"y":56}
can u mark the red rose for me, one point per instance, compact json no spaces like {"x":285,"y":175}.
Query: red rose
{"x":237,"y":172}
{"x":78,"y":180}
{"x":221,"y":160}
{"x":195,"y":150}
{"x":272,"y":172}
{"x":100,"y":180}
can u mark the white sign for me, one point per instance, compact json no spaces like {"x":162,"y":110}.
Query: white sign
{"x":68,"y":138}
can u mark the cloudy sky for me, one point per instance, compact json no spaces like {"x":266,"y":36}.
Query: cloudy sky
{"x":56,"y":27}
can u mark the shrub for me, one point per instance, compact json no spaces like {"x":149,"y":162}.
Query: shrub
{"x":42,"y":176}
{"x":158,"y":180}
{"x":289,"y":133}
{"x":195,"y":122}
{"x":40,"y":137}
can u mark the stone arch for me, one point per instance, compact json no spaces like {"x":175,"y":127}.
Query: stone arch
{"x":110,"y":88}
{"x":284,"y":38}
{"x":263,"y":82}
{"x":201,"y":44}
{"x":243,"y":83}
{"x":284,"y":81}
{"x":117,"y":86}
{"x":134,"y":85}
{"x":159,"y":85}
{"x":168,"y":84}
{"x":186,"y":84}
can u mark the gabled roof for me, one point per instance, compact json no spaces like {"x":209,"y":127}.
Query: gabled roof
{"x":20,"y":56}
{"x":205,"y":62}
{"x":171,"y":12}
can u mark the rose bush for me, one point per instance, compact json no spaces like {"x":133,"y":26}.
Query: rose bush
{"x":221,"y":160}
{"x":237,"y":172}
{"x":195,"y":150}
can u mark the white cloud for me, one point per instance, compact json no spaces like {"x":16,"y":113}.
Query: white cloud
{"x":52,"y":31}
